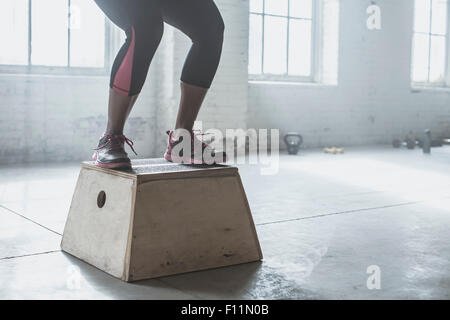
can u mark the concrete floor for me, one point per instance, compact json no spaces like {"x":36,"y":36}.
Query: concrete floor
{"x":322,"y":221}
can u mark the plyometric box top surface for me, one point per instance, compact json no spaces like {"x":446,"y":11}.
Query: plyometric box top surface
{"x":155,"y":169}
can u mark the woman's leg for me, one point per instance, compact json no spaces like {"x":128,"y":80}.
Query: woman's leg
{"x":119,"y":108}
{"x":202,"y":22}
{"x":190,"y":101}
{"x":143,"y":24}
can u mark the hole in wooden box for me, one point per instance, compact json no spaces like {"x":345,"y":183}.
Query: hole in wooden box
{"x":101,"y":199}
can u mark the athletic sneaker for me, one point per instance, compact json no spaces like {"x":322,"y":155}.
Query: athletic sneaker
{"x":193,"y":158}
{"x":110,"y":152}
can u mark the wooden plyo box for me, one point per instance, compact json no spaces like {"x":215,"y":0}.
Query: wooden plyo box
{"x":160,"y":219}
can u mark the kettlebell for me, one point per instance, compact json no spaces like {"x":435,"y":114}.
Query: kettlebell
{"x":293,"y":142}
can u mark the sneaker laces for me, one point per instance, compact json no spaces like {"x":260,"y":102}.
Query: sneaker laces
{"x":196,"y":133}
{"x":115,"y":141}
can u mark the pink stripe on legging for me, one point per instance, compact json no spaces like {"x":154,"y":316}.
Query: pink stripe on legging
{"x":122,"y":80}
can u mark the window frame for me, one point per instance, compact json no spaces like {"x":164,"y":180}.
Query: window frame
{"x":112,"y":36}
{"x":315,"y":47}
{"x":446,"y":82}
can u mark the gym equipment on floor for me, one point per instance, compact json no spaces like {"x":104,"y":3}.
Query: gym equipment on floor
{"x":427,"y":141}
{"x":334,"y":150}
{"x":293,"y":142}
{"x":407,"y":143}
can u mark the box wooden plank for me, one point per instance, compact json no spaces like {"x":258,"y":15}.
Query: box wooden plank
{"x":160,"y":219}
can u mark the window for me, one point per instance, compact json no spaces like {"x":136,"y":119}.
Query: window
{"x":52,"y":35}
{"x":282,"y":42}
{"x":430,"y":43}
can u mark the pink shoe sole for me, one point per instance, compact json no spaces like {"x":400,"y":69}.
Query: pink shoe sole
{"x":168,"y":157}
{"x":119,"y":165}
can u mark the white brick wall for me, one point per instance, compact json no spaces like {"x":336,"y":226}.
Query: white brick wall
{"x":373,"y":101}
{"x":49,"y":118}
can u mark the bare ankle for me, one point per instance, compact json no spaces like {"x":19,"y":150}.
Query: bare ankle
{"x":113,"y":131}
{"x":179,"y":132}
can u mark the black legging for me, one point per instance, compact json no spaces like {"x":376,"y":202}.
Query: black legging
{"x":142,"y":20}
